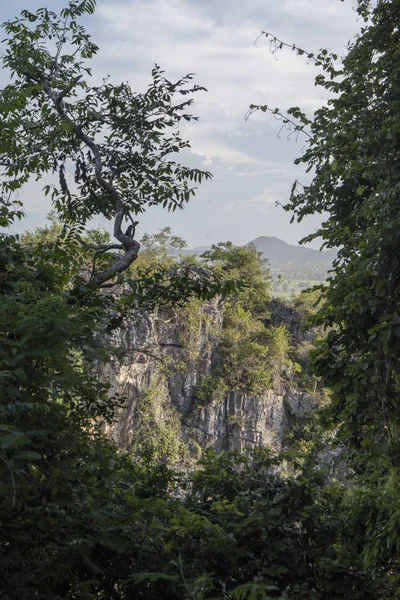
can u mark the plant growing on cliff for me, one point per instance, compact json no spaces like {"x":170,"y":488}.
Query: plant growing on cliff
{"x":212,"y":388}
{"x":244,"y":351}
{"x":247,"y":265}
{"x":156,"y":435}
{"x":190,"y":330}
{"x":252,"y":354}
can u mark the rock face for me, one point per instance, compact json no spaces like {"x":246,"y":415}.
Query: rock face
{"x":159,"y":362}
{"x":244,"y":420}
{"x":281,"y":313}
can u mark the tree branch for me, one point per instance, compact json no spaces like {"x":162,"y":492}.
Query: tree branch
{"x":128,"y":244}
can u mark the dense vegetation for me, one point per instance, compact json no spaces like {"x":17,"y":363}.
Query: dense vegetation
{"x":252,"y":354}
{"x":353,"y":148}
{"x":80,"y":520}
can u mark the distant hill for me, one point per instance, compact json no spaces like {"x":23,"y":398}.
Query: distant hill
{"x":292,"y":268}
{"x":199,"y":250}
{"x":280,"y":253}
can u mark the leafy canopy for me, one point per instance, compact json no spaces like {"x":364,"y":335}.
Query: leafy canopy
{"x":111,"y":148}
{"x":353,"y":149}
{"x":82,"y":519}
{"x":352,"y":146}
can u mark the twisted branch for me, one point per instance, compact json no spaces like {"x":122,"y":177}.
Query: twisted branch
{"x":129,"y":245}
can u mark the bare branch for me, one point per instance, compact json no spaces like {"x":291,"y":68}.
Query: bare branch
{"x":103,"y":248}
{"x":277,"y":44}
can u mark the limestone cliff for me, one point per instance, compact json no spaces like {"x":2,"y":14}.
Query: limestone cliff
{"x":159,"y":363}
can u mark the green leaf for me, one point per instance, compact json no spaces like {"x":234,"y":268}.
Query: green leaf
{"x":13,"y":440}
{"x":67,"y":126}
{"x":26,"y":455}
{"x":21,"y":374}
{"x":360,"y":190}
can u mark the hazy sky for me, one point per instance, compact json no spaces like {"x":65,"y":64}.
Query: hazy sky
{"x":252,"y":167}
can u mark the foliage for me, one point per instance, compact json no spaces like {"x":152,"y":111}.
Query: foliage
{"x":156,"y":278}
{"x":161,"y":276}
{"x":52,"y":406}
{"x":159,"y":253}
{"x":175,"y":286}
{"x":353,"y":150}
{"x":117,"y":143}
{"x":156,"y":435}
{"x":83,"y":520}
{"x":244,"y":351}
{"x":111,"y":149}
{"x":240,"y":531}
{"x":211,"y":389}
{"x":352,"y":146}
{"x":278,"y":348}
{"x":66,"y":494}
{"x":162,"y":246}
{"x":235,"y":420}
{"x":193,"y":318}
{"x":87,"y":522}
{"x":246,"y":265}
{"x":308,"y":302}
{"x":85,"y":260}
{"x":48,"y":235}
{"x":270,"y":522}
{"x":251,"y":354}
{"x":355,"y":147}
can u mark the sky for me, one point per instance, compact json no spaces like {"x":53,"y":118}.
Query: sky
{"x":251,"y":163}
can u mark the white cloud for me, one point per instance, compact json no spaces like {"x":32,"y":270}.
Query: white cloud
{"x":184,"y":36}
{"x":263,"y":172}
{"x":211,"y":149}
{"x":214,"y":39}
{"x":270,"y":195}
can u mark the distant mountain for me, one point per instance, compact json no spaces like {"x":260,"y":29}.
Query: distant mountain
{"x":292,"y":268}
{"x":199,"y":249}
{"x":280,"y":253}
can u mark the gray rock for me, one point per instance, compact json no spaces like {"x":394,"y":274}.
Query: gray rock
{"x":152,"y":355}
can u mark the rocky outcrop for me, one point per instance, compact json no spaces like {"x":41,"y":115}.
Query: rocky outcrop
{"x":282,"y":314}
{"x":158,"y":363}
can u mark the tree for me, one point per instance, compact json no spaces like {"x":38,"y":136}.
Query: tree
{"x":353,"y":148}
{"x":59,"y":500}
{"x":251,"y":354}
{"x":116,"y":144}
{"x":50,"y":410}
{"x":163,"y":242}
{"x":244,"y":264}
{"x":159,"y":251}
{"x":352,"y":145}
